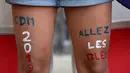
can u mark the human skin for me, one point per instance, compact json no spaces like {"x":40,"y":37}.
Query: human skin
{"x":90,"y":56}
{"x":90,"y":60}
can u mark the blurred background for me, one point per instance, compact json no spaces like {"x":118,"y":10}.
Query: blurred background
{"x":119,"y":53}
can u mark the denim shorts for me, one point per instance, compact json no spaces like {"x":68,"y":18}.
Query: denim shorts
{"x":58,"y":3}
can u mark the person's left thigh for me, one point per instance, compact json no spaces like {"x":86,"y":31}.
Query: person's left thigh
{"x":90,"y":33}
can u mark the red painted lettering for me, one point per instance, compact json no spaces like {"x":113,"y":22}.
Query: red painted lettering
{"x":28,"y":57}
{"x":96,"y":57}
{"x":30,"y":68}
{"x":90,"y":56}
{"x":103,"y":55}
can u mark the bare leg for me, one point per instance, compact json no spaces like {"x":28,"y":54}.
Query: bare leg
{"x":90,"y":32}
{"x":34,"y":33}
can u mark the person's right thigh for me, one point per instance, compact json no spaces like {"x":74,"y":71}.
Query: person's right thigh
{"x":33,"y":28}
